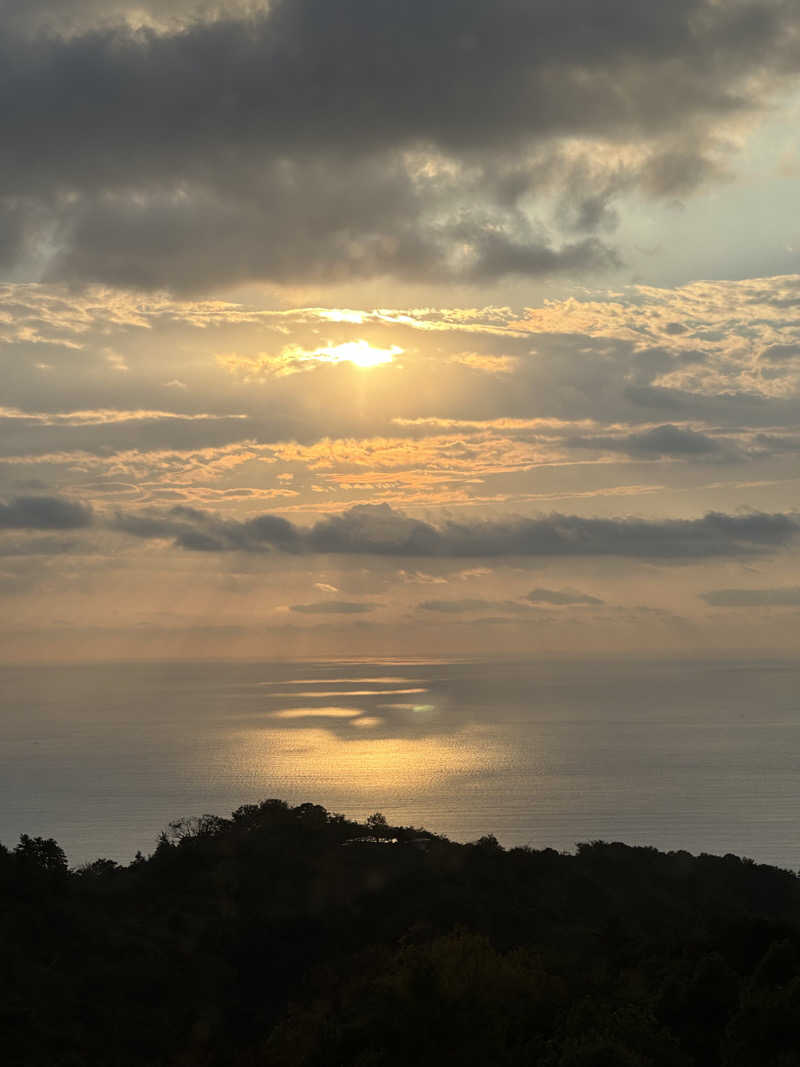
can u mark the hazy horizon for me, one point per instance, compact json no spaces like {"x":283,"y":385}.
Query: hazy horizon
{"x":699,"y":756}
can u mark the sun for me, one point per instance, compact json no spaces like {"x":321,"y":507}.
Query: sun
{"x":359,"y":353}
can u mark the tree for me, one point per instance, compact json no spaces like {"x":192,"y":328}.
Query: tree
{"x":196,"y":826}
{"x":42,"y":853}
{"x":488,"y":843}
{"x":378,"y":825}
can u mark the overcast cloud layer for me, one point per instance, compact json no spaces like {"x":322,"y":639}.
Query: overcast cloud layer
{"x":323,"y":141}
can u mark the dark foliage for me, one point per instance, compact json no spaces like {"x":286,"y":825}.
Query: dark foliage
{"x":289,"y":936}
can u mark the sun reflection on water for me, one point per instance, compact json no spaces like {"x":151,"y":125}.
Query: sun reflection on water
{"x":366,"y":764}
{"x":316,"y":713}
{"x":348,"y":692}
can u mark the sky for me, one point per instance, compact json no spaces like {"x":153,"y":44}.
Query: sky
{"x":398,"y":328}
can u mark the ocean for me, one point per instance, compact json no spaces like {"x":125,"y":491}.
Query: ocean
{"x":701,"y":756}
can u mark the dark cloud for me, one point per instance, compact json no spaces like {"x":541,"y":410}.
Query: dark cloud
{"x":43,"y":513}
{"x":456,"y":607}
{"x":380,"y":530}
{"x":198,"y":541}
{"x":469,"y":605}
{"x":149,"y":526}
{"x":780,"y":353}
{"x":731,"y":408}
{"x":306,"y":141}
{"x":670,"y":539}
{"x":200,"y":531}
{"x":66,"y":17}
{"x":377,"y":530}
{"x":752,"y":598}
{"x":334,"y":607}
{"x":561,"y":596}
{"x":767,"y":444}
{"x":667,"y":440}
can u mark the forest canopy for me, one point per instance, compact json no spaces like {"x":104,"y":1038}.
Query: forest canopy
{"x":292,"y":936}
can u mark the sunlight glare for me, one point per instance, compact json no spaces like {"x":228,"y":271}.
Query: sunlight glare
{"x":359,"y":353}
{"x":376,"y":766}
{"x":316,"y":713}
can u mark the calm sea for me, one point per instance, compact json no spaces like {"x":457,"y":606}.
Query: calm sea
{"x":699,"y":756}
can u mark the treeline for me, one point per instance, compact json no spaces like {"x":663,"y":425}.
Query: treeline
{"x":289,"y":936}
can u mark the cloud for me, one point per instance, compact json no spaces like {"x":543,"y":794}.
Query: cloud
{"x":666,"y":440}
{"x":469,"y":605}
{"x":580,"y":365}
{"x":420,"y":578}
{"x":106,"y":417}
{"x":294,"y":358}
{"x":44,"y":513}
{"x":334,"y":607}
{"x":382,"y":531}
{"x":780,"y":353}
{"x":485,"y":362}
{"x":376,"y":530}
{"x":752,"y":598}
{"x":317,"y":140}
{"x":775,"y":444}
{"x":466,"y":437}
{"x":200,"y":531}
{"x":68,"y":17}
{"x":456,"y":607}
{"x":561,"y":596}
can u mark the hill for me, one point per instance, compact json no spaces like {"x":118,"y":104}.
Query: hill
{"x":286,"y":936}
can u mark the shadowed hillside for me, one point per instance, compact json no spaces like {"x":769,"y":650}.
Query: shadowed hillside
{"x":285,"y":936}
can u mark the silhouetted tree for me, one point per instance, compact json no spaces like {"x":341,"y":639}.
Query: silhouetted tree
{"x":260,"y":940}
{"x":378,"y":825}
{"x":41,"y":853}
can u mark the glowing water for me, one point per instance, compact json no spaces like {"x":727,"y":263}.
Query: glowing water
{"x":701,"y":756}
